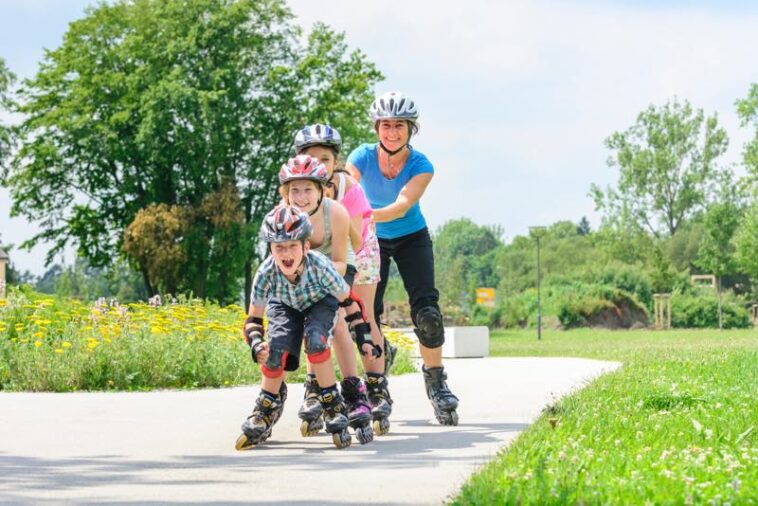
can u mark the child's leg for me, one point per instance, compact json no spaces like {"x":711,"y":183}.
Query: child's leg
{"x":324,"y":372}
{"x":272,"y":385}
{"x":285,"y":329}
{"x":319,"y":320}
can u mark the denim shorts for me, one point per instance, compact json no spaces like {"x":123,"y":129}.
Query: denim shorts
{"x":288,"y":326}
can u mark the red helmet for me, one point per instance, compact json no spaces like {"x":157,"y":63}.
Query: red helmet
{"x":285,"y":223}
{"x":303,"y":167}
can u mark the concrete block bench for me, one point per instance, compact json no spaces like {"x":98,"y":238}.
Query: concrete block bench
{"x":461,"y":342}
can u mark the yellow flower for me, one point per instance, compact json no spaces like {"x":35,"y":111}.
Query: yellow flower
{"x":37,"y":344}
{"x":58,"y":351}
{"x":3,"y":302}
{"x":66,"y":344}
{"x":39,"y":334}
{"x":92,"y":345}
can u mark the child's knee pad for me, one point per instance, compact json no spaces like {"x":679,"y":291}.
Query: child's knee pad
{"x":316,"y":340}
{"x":318,"y":357}
{"x":274,"y":366}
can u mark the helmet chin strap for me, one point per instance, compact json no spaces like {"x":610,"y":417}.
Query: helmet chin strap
{"x":318,"y":204}
{"x":390,"y":153}
{"x":298,"y":274}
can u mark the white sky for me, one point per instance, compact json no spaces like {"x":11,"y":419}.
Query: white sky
{"x":516,"y":97}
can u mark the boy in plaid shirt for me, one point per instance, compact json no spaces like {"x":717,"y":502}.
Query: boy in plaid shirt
{"x":301,"y":292}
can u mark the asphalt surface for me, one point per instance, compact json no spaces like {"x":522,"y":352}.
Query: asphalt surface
{"x":177,"y":447}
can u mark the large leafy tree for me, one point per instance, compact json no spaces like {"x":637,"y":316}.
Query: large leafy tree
{"x":177,"y":102}
{"x":7,"y":79}
{"x":746,"y":236}
{"x":667,"y":169}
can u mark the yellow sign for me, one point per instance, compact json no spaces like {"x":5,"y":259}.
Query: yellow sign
{"x":485,"y":297}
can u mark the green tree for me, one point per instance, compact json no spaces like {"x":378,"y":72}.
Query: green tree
{"x":716,"y":255}
{"x":747,"y":110}
{"x":7,"y":78}
{"x":746,"y":242}
{"x":746,"y":237}
{"x":172,"y":102}
{"x":667,"y":167}
{"x":583,"y":227}
{"x":463,"y":259}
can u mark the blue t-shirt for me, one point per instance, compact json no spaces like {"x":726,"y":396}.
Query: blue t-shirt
{"x":382,"y":192}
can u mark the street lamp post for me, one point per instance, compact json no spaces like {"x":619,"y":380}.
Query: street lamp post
{"x":538,"y":232}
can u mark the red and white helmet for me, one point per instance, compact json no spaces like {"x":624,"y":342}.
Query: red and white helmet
{"x":303,"y":167}
{"x":286,"y":223}
{"x":394,"y":105}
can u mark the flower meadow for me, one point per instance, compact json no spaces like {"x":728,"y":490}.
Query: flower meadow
{"x":61,"y":345}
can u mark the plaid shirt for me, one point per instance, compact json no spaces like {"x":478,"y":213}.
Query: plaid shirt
{"x":318,"y":280}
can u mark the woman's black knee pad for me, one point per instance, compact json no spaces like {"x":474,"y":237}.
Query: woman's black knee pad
{"x":429,"y":327}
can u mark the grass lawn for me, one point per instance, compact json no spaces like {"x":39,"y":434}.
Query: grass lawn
{"x":677,"y":424}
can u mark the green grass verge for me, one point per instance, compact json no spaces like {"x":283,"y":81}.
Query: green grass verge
{"x":677,"y":424}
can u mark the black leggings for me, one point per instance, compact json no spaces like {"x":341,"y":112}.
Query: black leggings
{"x":414,"y":257}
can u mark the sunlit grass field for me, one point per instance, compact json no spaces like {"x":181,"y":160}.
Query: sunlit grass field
{"x":677,"y":424}
{"x":60,"y":344}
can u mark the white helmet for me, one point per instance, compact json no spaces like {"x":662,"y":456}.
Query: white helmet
{"x":317,"y":135}
{"x":394,"y":105}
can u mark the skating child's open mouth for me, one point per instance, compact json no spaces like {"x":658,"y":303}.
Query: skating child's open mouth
{"x":288,"y":263}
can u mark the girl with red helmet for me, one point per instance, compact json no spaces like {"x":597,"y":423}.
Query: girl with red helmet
{"x":324,"y":143}
{"x":303,"y":180}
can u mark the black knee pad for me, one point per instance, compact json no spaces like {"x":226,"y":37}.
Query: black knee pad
{"x":429,"y":327}
{"x":316,"y":341}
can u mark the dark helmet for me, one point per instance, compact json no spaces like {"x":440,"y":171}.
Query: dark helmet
{"x":286,"y":223}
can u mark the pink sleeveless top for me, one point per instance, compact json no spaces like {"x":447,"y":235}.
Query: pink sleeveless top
{"x":355,"y":202}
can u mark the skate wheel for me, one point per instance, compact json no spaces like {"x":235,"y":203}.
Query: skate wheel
{"x":243,"y":443}
{"x":364,"y":434}
{"x":381,"y":426}
{"x":341,"y":439}
{"x":448,"y":418}
{"x":308,"y":429}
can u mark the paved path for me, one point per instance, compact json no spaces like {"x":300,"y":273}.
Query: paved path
{"x":178,"y":446}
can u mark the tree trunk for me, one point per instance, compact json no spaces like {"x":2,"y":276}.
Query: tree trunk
{"x":146,"y":279}
{"x":248,"y":283}
{"x":248,"y":209}
{"x":718,"y":288}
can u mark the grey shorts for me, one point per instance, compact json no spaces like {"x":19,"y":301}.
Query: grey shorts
{"x":288,"y":327}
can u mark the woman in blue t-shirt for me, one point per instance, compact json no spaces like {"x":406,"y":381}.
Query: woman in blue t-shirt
{"x":394,"y":176}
